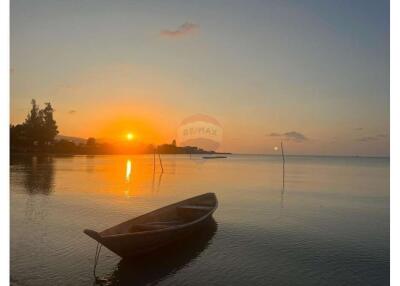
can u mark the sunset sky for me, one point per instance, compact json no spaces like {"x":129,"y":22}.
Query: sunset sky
{"x":312,"y":73}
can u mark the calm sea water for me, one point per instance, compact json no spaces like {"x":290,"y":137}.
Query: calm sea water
{"x":327,"y":225}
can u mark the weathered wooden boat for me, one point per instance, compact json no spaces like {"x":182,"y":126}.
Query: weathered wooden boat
{"x":214,"y":157}
{"x":158,"y":228}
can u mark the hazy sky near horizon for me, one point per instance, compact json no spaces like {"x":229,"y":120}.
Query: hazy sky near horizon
{"x":314,"y":73}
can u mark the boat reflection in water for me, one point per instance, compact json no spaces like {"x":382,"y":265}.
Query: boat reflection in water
{"x":154,"y":267}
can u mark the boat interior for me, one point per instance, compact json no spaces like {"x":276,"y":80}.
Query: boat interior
{"x":170,"y":216}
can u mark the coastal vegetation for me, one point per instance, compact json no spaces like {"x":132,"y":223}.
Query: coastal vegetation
{"x":38,"y":134}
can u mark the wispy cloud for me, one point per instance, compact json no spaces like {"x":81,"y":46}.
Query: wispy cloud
{"x":296,"y":136}
{"x":183,"y":30}
{"x":72,"y":111}
{"x":291,"y":135}
{"x":273,"y":134}
{"x":358,"y":129}
{"x":372,"y":138}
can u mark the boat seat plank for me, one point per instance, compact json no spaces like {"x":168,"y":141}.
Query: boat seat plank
{"x":195,"y":207}
{"x":172,"y":222}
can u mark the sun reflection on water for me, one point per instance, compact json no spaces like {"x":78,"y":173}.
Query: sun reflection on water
{"x":128,"y":170}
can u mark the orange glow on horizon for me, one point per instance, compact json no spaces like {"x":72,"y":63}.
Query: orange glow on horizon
{"x":132,"y":129}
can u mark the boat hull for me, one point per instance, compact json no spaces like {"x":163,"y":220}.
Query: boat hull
{"x":159,"y":228}
{"x":131,"y":245}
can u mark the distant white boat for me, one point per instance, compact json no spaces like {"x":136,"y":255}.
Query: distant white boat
{"x":214,"y":157}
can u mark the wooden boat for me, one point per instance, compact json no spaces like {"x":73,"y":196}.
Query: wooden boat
{"x":158,"y":228}
{"x":214,"y":157}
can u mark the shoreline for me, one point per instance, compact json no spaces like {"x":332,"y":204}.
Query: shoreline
{"x":110,"y":154}
{"x":205,"y":153}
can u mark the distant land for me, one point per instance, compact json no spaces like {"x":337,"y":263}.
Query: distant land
{"x":39,"y":134}
{"x":79,"y":146}
{"x":76,"y":140}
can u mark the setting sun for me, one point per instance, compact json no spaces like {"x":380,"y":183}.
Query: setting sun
{"x":130,"y":136}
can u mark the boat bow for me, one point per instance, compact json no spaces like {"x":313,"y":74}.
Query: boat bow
{"x":93,"y":234}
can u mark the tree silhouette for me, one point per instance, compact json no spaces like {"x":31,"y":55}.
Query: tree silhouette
{"x":49,"y":127}
{"x":18,"y":135}
{"x":33,"y":124}
{"x":91,"y":142}
{"x":39,"y":128}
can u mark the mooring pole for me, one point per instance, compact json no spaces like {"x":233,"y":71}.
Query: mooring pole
{"x":154,"y":160}
{"x":283,"y":175}
{"x":283,"y":165}
{"x":159,"y":157}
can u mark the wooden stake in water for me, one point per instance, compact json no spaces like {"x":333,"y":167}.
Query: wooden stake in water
{"x":283,"y":175}
{"x":154,"y":160}
{"x":159,"y":157}
{"x":283,"y":164}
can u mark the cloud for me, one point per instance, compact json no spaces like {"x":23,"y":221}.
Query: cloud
{"x":372,"y":138}
{"x":273,"y":134}
{"x":367,"y":139}
{"x":183,"y":30}
{"x":296,"y":136}
{"x":291,"y":135}
{"x":358,"y":129}
{"x":72,"y":111}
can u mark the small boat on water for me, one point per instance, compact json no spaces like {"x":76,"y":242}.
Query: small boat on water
{"x":158,"y":228}
{"x":214,"y":157}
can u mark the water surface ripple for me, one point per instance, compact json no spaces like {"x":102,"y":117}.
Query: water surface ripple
{"x":327,"y":225}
